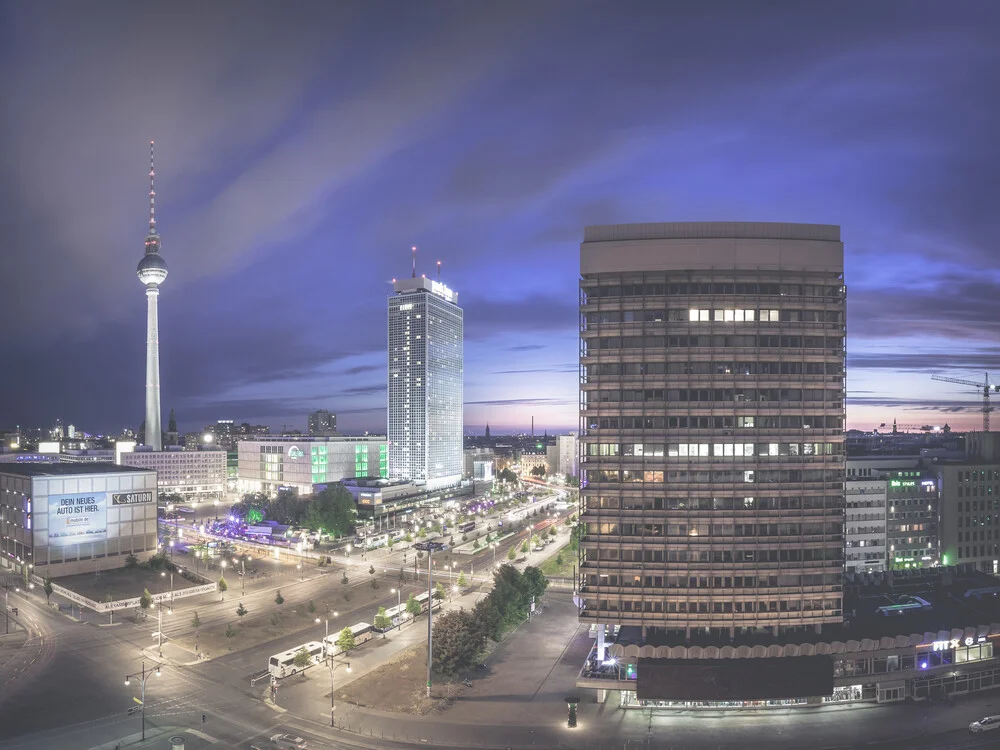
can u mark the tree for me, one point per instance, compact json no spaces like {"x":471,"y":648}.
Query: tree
{"x":488,"y":619}
{"x":552,"y":531}
{"x":47,"y":588}
{"x":524,"y":547}
{"x":278,"y":598}
{"x":301,"y":658}
{"x":507,"y":476}
{"x":195,"y":623}
{"x":311,"y":607}
{"x":560,"y":559}
{"x":408,"y":537}
{"x":512,"y":554}
{"x":462,"y":582}
{"x":382,"y":621}
{"x":145,"y":601}
{"x":538,"y":471}
{"x":572,"y":481}
{"x":332,"y":510}
{"x":534,"y":582}
{"x":345,"y":641}
{"x":574,"y":537}
{"x":223,"y":587}
{"x":535,"y":540}
{"x":230,"y":634}
{"x":422,"y":533}
{"x":287,"y":507}
{"x":457,"y":641}
{"x":412,"y":606}
{"x":131,"y":561}
{"x":438,"y":592}
{"x":241,"y":612}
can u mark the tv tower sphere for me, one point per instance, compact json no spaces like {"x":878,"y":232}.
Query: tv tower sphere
{"x":152,"y":269}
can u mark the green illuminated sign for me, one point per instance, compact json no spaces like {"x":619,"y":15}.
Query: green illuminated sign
{"x":903,"y":483}
{"x":254,"y":516}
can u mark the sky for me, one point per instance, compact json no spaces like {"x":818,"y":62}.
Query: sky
{"x":303,"y":148}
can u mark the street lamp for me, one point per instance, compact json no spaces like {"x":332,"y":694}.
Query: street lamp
{"x":399,"y":606}
{"x":333,"y":669}
{"x":159,"y":626}
{"x":162,"y":575}
{"x":301,"y":574}
{"x":6,"y":594}
{"x":143,"y":676}
{"x":430,"y":548}
{"x":327,"y":620}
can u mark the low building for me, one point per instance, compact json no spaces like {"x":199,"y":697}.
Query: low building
{"x":62,"y":519}
{"x":299,"y":463}
{"x":563,"y":456}
{"x":970,"y":504}
{"x":531,"y":460}
{"x":194,"y":475}
{"x":918,"y":634}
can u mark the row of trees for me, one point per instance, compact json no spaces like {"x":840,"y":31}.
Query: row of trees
{"x":333,"y":510}
{"x":461,"y":635}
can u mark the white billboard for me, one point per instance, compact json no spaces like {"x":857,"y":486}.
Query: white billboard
{"x":78,"y":518}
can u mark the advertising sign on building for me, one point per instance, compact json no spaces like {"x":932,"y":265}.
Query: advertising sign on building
{"x":78,"y":518}
{"x":131,"y":498}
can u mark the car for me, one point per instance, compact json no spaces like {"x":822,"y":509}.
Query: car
{"x":986,"y":724}
{"x":289,"y":741}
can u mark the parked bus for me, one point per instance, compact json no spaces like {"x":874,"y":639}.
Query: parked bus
{"x":283,"y":664}
{"x":422,"y":601}
{"x":397,"y":616}
{"x":362,"y":632}
{"x":467,"y":526}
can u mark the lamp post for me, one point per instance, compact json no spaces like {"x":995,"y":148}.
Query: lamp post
{"x":327,"y":621}
{"x":430,"y":548}
{"x":143,"y":676}
{"x":163,"y":575}
{"x":330,"y":664}
{"x":6,"y":594}
{"x":159,"y":626}
{"x":399,"y":605}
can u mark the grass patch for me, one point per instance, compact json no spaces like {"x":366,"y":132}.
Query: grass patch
{"x":552,"y":568}
{"x":400,"y":685}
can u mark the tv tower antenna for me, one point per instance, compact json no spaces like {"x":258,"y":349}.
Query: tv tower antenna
{"x":439,"y":270}
{"x":152,"y":192}
{"x":413,"y":253}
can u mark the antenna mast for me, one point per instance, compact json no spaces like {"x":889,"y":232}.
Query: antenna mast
{"x":152,"y":192}
{"x":413,"y":252}
{"x":439,"y":270}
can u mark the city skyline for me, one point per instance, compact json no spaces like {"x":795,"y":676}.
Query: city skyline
{"x":296,"y":192}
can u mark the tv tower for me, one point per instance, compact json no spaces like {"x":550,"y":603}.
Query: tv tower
{"x":152,"y":270}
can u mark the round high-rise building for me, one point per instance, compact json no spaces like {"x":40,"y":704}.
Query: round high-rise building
{"x":152,"y":271}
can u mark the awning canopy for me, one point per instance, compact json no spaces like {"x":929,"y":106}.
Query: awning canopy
{"x":734,"y":679}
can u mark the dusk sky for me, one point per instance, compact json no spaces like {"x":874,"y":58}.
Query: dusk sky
{"x":302,"y":148}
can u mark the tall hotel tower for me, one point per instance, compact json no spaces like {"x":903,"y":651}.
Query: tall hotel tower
{"x":712,"y":429}
{"x":152,"y":270}
{"x":425,"y":383}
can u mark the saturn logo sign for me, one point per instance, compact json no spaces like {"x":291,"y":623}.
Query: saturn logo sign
{"x":295,"y":452}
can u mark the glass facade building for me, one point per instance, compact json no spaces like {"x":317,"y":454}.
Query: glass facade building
{"x":425,"y":419}
{"x":712,"y":363}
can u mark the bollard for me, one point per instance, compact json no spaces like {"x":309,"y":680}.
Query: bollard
{"x":177,"y":742}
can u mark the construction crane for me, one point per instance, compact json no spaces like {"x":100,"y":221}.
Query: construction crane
{"x":983,"y":387}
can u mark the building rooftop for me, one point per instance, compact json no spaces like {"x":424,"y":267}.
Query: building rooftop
{"x":696,"y":230}
{"x":57,"y":470}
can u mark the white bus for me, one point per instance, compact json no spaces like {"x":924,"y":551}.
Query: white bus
{"x":397,"y":616}
{"x":362,"y":632}
{"x":283,"y":664}
{"x":422,"y":600}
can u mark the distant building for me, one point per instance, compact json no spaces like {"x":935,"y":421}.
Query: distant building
{"x":529,"y":460}
{"x":322,"y":424}
{"x":425,"y":414}
{"x":64,"y":519}
{"x":865,"y":538}
{"x":970,"y":505}
{"x":299,"y":463}
{"x":194,"y":475}
{"x":563,"y":456}
{"x":472,"y":456}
